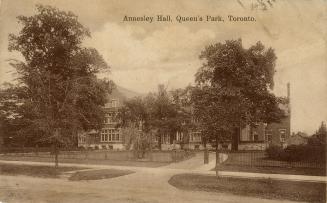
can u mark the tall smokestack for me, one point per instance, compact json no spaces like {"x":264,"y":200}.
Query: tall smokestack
{"x":289,"y":107}
{"x":288,"y":91}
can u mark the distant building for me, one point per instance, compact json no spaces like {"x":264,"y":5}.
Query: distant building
{"x":298,"y":138}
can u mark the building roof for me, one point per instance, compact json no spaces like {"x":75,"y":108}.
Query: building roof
{"x":121,"y":94}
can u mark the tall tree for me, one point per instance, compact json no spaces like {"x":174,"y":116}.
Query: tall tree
{"x":57,"y":80}
{"x":234,"y":89}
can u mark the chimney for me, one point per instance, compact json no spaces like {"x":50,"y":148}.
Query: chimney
{"x":288,"y":91}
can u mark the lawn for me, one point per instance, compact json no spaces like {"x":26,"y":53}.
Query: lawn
{"x":264,"y":188}
{"x":35,"y":171}
{"x":87,"y":161}
{"x":99,"y":174}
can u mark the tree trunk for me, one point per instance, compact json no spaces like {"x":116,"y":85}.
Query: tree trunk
{"x":217,"y":157}
{"x":206,"y":156}
{"x":37,"y":149}
{"x":159,"y":141}
{"x":206,"y":153}
{"x":150,"y":146}
{"x":56,"y":152}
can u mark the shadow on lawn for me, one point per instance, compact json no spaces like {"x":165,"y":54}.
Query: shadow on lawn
{"x":35,"y":171}
{"x":99,"y":174}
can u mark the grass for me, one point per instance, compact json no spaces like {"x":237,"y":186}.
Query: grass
{"x":87,"y":161}
{"x":35,"y":171}
{"x":264,"y":188}
{"x":99,"y":174}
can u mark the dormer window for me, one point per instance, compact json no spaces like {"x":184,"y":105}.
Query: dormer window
{"x":112,"y":103}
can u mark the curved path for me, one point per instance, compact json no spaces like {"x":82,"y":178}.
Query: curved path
{"x":146,"y":185}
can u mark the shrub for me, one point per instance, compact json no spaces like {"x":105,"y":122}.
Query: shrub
{"x":307,"y":153}
{"x":315,"y":153}
{"x":81,"y":148}
{"x":275,"y":152}
{"x":295,"y":153}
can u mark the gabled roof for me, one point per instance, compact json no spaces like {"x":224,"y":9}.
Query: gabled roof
{"x":121,"y":94}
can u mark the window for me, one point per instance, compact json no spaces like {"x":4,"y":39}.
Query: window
{"x":104,"y":135}
{"x":282,"y":135}
{"x":179,"y":136}
{"x":110,"y":118}
{"x":82,"y":139}
{"x":246,"y":134}
{"x":110,"y":135}
{"x":268,"y":135}
{"x":255,"y":136}
{"x":195,"y":136}
{"x":195,"y":120}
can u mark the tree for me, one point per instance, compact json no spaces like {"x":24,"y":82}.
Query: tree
{"x":185,"y":122}
{"x":319,"y":137}
{"x":57,"y":80}
{"x":162,"y":113}
{"x":134,"y":117}
{"x":168,"y":114}
{"x":233,"y":89}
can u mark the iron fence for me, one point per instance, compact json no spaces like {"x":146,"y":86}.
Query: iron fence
{"x":259,"y":159}
{"x":119,"y":155}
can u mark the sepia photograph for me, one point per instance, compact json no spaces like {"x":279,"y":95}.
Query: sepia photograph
{"x":221,"y":101}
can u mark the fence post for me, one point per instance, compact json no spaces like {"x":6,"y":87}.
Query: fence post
{"x":175,"y":154}
{"x":37,"y":150}
{"x":251,"y":163}
{"x":206,"y":156}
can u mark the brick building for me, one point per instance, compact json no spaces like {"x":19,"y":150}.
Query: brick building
{"x":249,"y":138}
{"x":110,"y":136}
{"x":263,"y":135}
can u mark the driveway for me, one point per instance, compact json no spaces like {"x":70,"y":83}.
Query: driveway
{"x":146,"y":185}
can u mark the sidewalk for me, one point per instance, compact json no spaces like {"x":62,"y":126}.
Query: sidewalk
{"x":194,"y":163}
{"x":184,"y":167}
{"x":303,"y":178}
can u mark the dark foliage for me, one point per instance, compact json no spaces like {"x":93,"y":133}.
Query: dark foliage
{"x":57,"y":92}
{"x":234,"y":88}
{"x":307,"y":153}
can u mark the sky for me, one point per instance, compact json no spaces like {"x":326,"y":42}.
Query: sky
{"x":142,"y":54}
